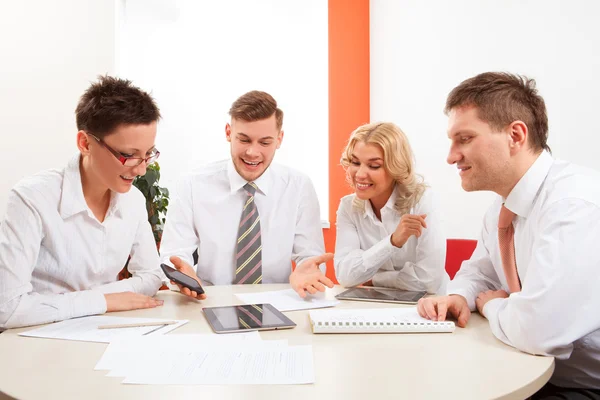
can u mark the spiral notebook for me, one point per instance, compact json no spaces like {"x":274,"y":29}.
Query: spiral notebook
{"x":375,"y":320}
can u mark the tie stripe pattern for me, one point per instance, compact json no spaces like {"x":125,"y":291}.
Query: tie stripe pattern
{"x":506,"y":242}
{"x":250,"y":316}
{"x":248,"y":257}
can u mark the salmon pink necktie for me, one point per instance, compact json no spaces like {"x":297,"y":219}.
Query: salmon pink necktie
{"x":506,"y":240}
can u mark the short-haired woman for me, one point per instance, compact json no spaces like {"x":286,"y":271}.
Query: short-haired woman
{"x":68,"y":232}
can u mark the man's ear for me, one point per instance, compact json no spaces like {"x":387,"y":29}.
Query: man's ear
{"x":228,"y":132}
{"x":518,"y":134}
{"x":279,"y":139}
{"x":83,"y":142}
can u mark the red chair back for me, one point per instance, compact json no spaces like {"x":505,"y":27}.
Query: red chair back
{"x":457,"y":251}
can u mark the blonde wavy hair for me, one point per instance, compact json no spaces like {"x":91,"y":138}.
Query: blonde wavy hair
{"x":398,"y":161}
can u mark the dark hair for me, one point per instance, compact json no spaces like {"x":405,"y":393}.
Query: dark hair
{"x":502,"y":98}
{"x":111,"y":102}
{"x":254,"y":106}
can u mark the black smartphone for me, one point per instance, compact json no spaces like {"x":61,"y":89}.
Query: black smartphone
{"x":182,"y":279}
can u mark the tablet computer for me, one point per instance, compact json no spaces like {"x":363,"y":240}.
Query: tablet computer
{"x":385,"y":295}
{"x":246,"y":317}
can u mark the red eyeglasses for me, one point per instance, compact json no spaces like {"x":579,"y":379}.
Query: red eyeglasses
{"x":128,"y":161}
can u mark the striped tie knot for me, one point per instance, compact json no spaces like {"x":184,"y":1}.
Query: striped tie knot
{"x":250,"y":188}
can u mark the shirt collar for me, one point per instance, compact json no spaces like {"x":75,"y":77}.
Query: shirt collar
{"x":236,"y":182}
{"x":115,"y":207}
{"x":521,"y":198}
{"x":390,"y":205}
{"x":72,"y":201}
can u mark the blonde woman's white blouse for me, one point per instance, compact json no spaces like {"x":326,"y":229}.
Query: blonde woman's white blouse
{"x":363,"y":249}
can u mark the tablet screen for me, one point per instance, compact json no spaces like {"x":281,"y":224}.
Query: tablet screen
{"x":381,"y":294}
{"x":246,"y":317}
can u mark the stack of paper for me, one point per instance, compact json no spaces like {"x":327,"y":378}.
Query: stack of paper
{"x":241,"y":358}
{"x":86,"y":329}
{"x":287,"y":300}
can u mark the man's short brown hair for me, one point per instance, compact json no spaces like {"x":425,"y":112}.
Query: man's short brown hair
{"x":111,"y":102}
{"x":502,"y":98}
{"x":255,"y":106}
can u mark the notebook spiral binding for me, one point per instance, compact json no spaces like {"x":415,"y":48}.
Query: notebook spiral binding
{"x":390,"y":325}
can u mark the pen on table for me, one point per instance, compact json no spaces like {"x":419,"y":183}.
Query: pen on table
{"x":153,"y":330}
{"x":135,"y":325}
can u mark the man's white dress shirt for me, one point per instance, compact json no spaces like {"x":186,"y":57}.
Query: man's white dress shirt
{"x":205,"y":214}
{"x":57,"y":260}
{"x":557,"y":237}
{"x":363,"y":249}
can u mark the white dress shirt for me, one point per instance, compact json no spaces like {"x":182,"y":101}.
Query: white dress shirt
{"x":557,"y":232}
{"x":205,"y":214}
{"x":363,"y":249}
{"x":57,"y":260}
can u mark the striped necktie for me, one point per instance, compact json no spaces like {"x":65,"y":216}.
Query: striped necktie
{"x":248,"y":258}
{"x":506,"y":241}
{"x":250,"y":316}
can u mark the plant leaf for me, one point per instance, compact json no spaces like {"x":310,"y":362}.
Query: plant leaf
{"x":151,"y":177}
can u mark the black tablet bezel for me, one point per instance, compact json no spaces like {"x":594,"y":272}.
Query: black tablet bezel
{"x":345,"y":295}
{"x":216,"y":325}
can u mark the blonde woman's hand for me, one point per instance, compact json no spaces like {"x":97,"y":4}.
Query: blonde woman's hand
{"x":410,"y":225}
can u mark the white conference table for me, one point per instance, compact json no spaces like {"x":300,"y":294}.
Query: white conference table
{"x":467,"y":364}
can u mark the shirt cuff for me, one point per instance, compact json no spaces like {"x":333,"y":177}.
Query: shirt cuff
{"x":379,"y":253}
{"x":88,"y":302}
{"x":491,"y":309}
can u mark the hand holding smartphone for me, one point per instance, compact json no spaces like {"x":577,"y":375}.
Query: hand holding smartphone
{"x":182,"y":279}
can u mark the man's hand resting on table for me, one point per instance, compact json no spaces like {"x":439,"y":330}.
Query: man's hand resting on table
{"x":437,"y":308}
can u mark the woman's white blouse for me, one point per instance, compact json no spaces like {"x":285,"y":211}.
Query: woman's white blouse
{"x":363,"y":250}
{"x":57,"y":260}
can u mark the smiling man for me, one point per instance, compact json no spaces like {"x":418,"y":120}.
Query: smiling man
{"x":534,"y":274}
{"x":248,"y":218}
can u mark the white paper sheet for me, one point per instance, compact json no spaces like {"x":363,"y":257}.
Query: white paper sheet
{"x":121,"y":354}
{"x":86,"y":329}
{"x":142,"y":360}
{"x":260,"y":365}
{"x":286,"y":300}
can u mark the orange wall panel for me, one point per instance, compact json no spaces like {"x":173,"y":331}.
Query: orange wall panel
{"x":349,"y":93}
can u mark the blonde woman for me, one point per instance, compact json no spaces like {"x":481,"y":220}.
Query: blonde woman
{"x":388,"y":231}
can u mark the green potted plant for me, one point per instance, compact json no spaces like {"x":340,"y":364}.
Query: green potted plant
{"x":157,"y":201}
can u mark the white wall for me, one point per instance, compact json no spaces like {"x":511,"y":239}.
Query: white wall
{"x":420,"y":50}
{"x":50,"y":51}
{"x":197,"y":57}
